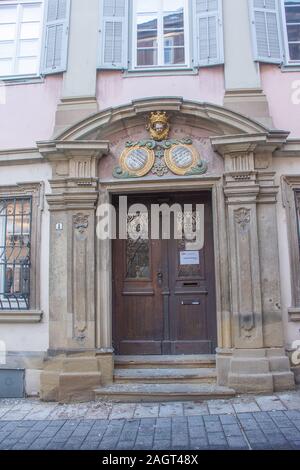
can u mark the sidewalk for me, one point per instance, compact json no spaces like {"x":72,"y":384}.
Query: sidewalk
{"x":248,"y":422}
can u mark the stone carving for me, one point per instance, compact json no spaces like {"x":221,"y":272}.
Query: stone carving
{"x":242,"y":218}
{"x":177,"y":156}
{"x":158,"y":125}
{"x":81,"y":222}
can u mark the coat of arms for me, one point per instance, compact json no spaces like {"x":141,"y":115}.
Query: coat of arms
{"x":158,"y":125}
{"x":160,"y":155}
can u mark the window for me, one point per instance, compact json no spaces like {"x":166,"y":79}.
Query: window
{"x":292,"y":30}
{"x":20,"y":37}
{"x":15,"y":237}
{"x":160,"y":33}
{"x":163,"y":34}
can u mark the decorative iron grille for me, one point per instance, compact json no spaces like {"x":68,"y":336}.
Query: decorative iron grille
{"x":15,"y":235}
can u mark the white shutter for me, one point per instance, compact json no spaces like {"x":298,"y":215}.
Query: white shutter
{"x":266,"y":31}
{"x":113,"y":34}
{"x":208,"y":34}
{"x":56,"y":35}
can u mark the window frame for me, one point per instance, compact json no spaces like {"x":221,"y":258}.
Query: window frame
{"x":18,"y":3}
{"x":34,"y":191}
{"x":287,"y":59}
{"x":133,"y":42}
{"x":290,"y":186}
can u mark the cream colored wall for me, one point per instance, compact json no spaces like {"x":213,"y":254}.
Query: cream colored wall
{"x":285,"y":166}
{"x":31,"y":337}
{"x":80,"y":78}
{"x":240,"y":69}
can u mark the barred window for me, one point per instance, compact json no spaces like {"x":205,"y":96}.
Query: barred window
{"x":15,"y":248}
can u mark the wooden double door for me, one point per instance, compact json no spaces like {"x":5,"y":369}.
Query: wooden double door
{"x":164,"y":294}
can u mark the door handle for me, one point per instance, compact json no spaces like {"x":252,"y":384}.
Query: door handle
{"x":159,"y":278}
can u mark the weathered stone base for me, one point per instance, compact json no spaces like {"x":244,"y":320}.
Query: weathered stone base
{"x":255,"y":370}
{"x":73,"y":377}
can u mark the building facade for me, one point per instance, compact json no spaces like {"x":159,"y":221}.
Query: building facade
{"x":162,"y":101}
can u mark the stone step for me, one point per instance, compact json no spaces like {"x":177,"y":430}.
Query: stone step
{"x":168,"y":361}
{"x":164,"y":375}
{"x":162,"y":392}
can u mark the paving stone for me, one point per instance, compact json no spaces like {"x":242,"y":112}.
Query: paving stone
{"x":30,"y":436}
{"x":194,"y":409}
{"x":199,"y":444}
{"x":216,"y":439}
{"x":256,"y":437}
{"x":290,"y":400}
{"x":89,"y":445}
{"x":162,"y":445}
{"x":122,"y":410}
{"x":7,"y":444}
{"x":99,"y":410}
{"x":268,"y":403}
{"x":293,"y":414}
{"x":197,"y":432}
{"x":171,"y":409}
{"x":15,"y":415}
{"x":228,"y":419}
{"x":73,"y":444}
{"x":195,"y":421}
{"x":129,"y":431}
{"x":125,"y":445}
{"x":291,"y":434}
{"x":232,"y":430}
{"x":220,"y":407}
{"x":235,"y":442}
{"x":295,"y":445}
{"x":246,"y":407}
{"x":40,"y":443}
{"x":282,"y":421}
{"x":55,"y":446}
{"x":41,"y":412}
{"x":264,"y":417}
{"x":213,"y":426}
{"x":146,"y":410}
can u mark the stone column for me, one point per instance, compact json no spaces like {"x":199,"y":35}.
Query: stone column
{"x":257,"y":362}
{"x":74,"y":366}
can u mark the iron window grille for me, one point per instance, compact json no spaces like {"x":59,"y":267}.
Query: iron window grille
{"x":15,"y":248}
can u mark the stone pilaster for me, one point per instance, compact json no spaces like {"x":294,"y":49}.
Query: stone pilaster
{"x":257,"y":362}
{"x":75,"y":368}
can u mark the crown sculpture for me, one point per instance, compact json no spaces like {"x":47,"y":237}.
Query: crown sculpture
{"x":158,"y":125}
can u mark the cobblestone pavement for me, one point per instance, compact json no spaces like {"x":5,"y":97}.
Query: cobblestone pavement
{"x":264,"y":422}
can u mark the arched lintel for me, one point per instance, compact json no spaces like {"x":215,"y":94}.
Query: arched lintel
{"x":222,"y":120}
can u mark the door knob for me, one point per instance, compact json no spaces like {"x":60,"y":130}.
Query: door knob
{"x":159,"y":278}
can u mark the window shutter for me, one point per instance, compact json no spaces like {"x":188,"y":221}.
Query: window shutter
{"x":208,"y":37}
{"x":56,"y":32}
{"x":266,"y":31}
{"x":113,"y":34}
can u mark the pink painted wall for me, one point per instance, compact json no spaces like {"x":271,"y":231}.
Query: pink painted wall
{"x":115,"y":88}
{"x":28,"y":112}
{"x":277,"y":85}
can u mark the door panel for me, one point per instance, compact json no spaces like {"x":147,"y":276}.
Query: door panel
{"x":161,"y":305}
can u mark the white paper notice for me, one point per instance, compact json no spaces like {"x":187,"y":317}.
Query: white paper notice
{"x":189,"y":257}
